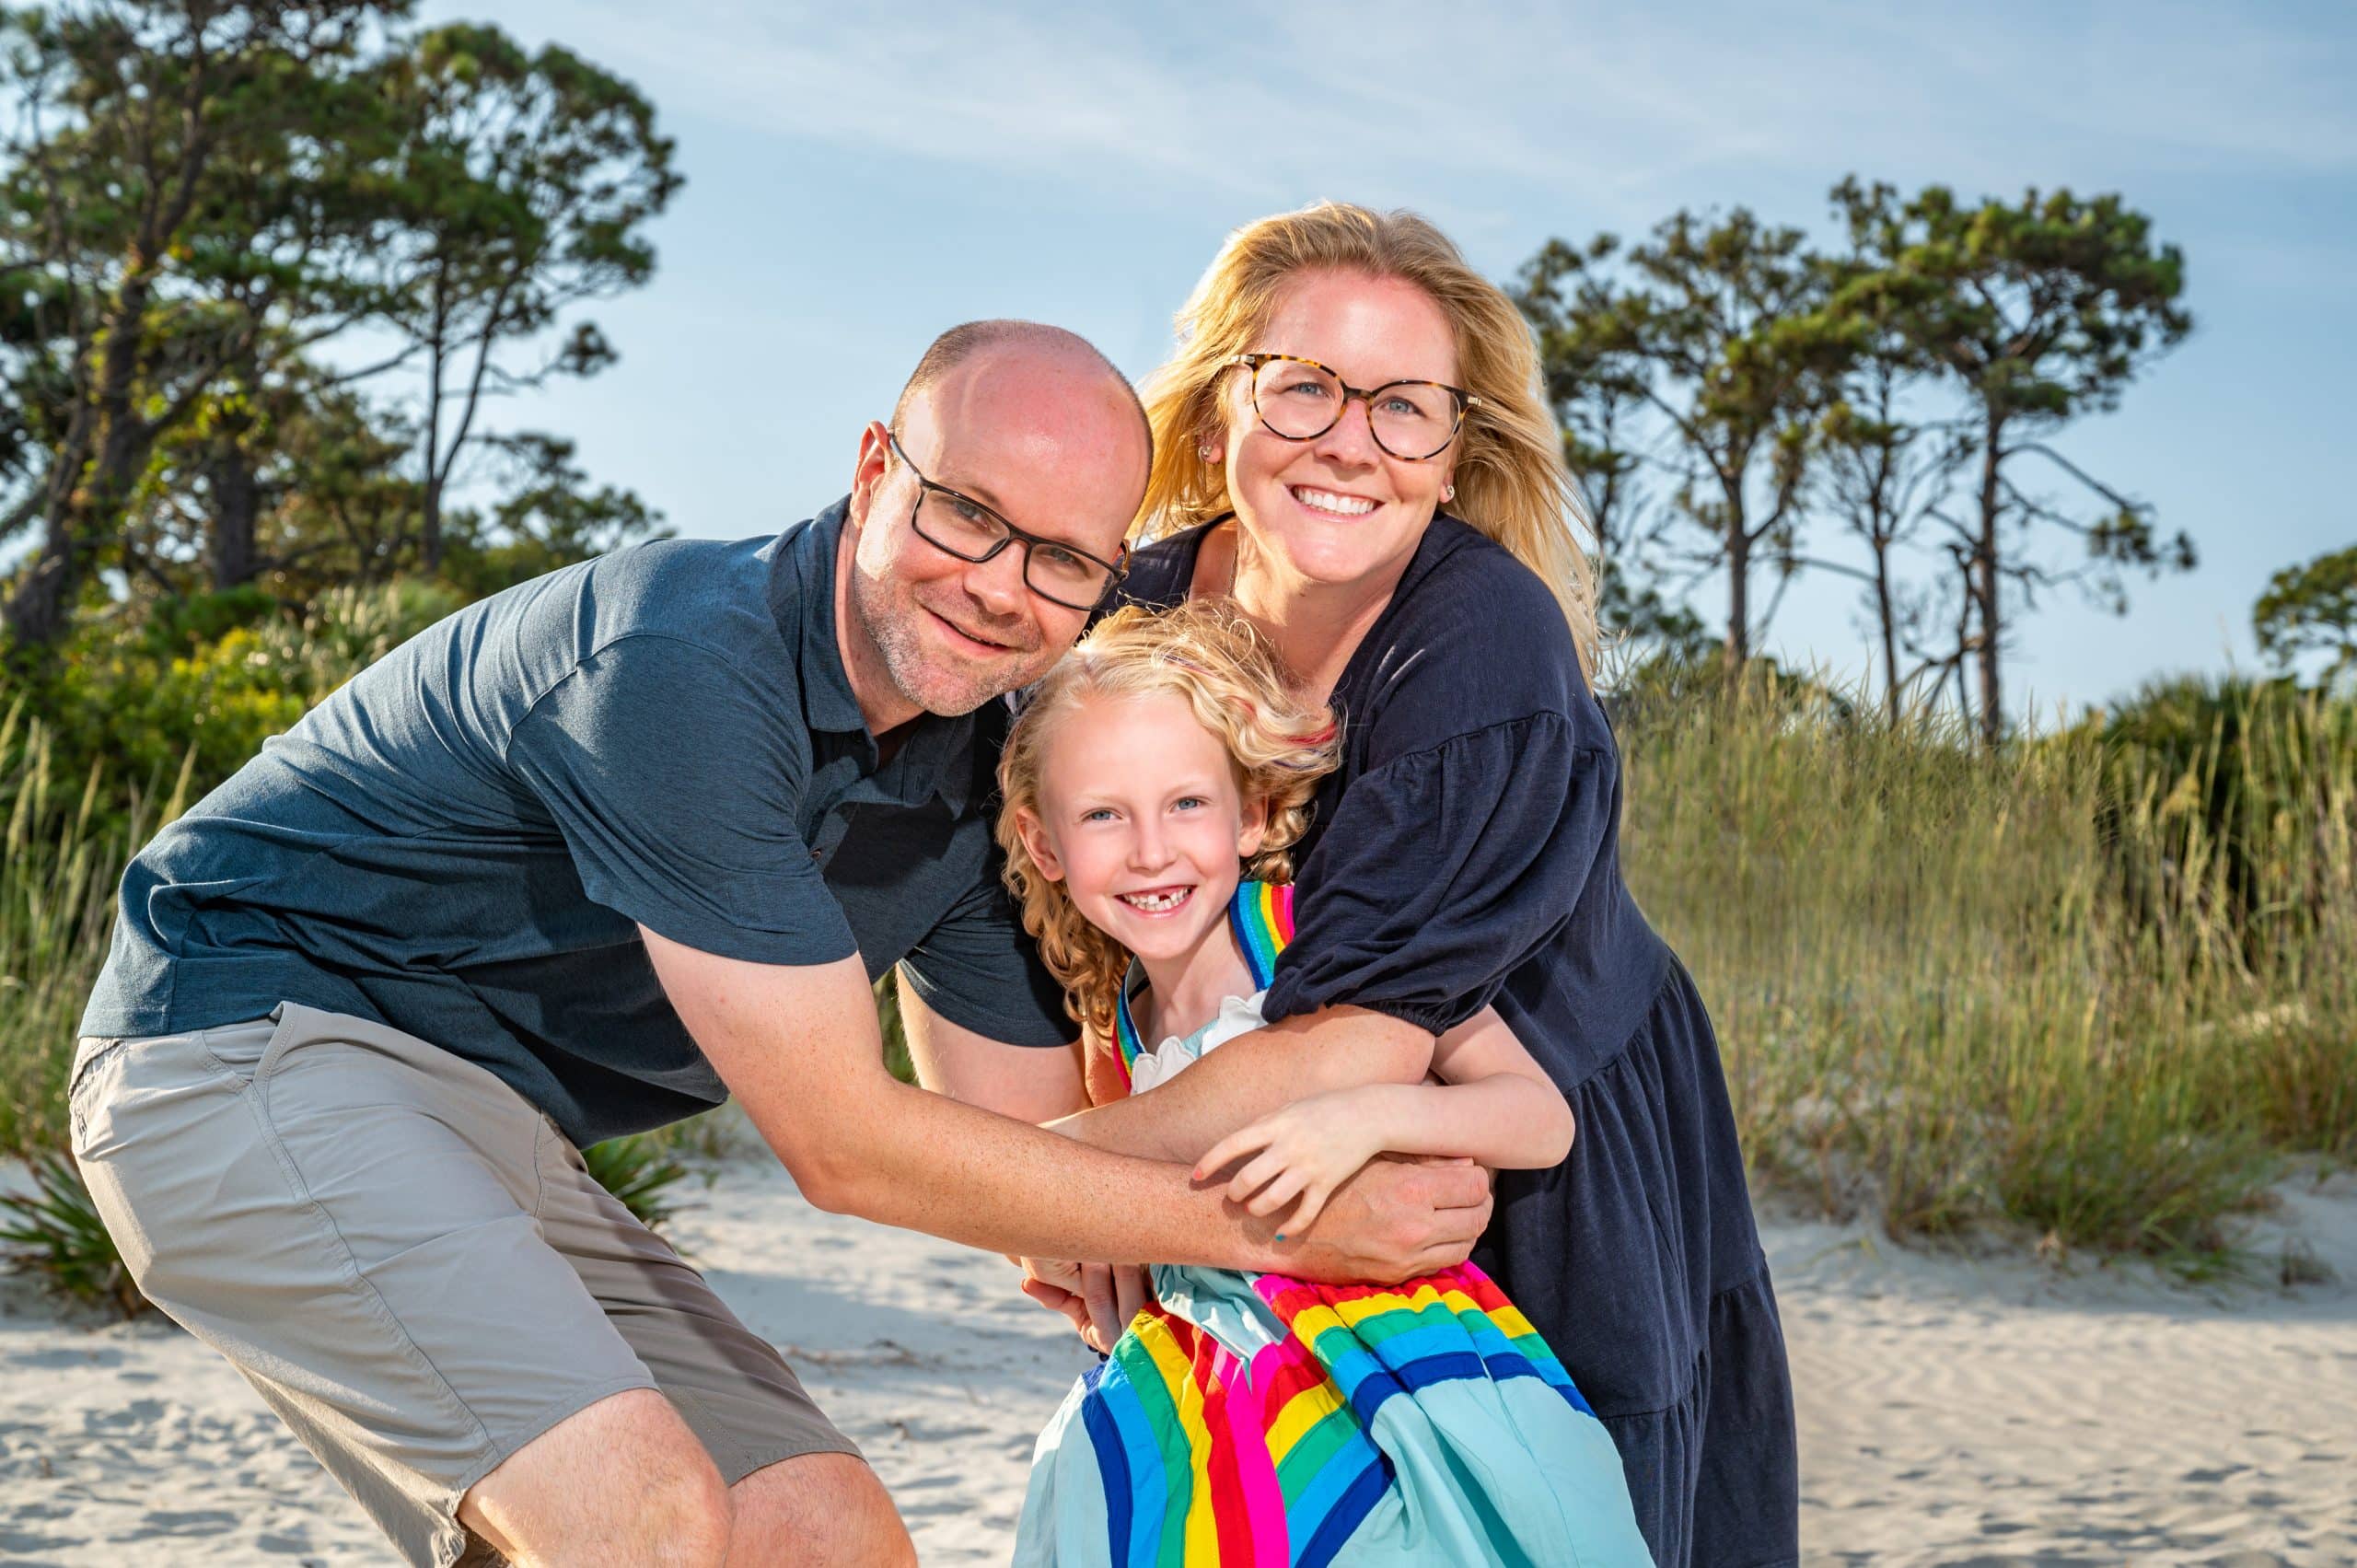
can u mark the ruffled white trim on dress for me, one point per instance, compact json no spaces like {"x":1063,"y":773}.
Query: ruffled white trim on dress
{"x":1238,"y":1015}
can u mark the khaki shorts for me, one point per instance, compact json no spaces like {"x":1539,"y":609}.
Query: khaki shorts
{"x":406,"y":1259}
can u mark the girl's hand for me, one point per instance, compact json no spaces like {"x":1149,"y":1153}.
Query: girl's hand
{"x":1304,"y":1151}
{"x":1098,"y":1299}
{"x":1113,"y":1294}
{"x":1055,"y":1285}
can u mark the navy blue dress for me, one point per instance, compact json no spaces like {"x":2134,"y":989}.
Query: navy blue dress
{"x":1467,"y":854}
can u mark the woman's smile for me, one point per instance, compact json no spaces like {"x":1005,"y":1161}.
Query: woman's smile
{"x":1332,"y":502}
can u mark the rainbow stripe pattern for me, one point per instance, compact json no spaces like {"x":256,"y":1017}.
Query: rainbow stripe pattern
{"x":1377,"y":1343}
{"x":1275,"y":1463}
{"x":1201,"y":1464}
{"x":1261,"y":916}
{"x":1261,"y":1421}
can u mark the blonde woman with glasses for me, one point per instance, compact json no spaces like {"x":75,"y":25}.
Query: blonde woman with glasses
{"x":1351,"y":443}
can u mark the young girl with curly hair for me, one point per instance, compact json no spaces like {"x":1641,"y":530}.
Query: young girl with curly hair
{"x":1152,"y":789}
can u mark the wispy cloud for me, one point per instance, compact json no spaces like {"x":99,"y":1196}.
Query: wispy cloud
{"x":1034,"y":91}
{"x":1595,"y":104}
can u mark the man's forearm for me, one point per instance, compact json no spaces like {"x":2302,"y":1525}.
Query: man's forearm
{"x":1339,"y":1047}
{"x":923,"y":1162}
{"x":860,"y":1143}
{"x":906,"y":1158}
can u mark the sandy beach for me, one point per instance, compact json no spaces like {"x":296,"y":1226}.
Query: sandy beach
{"x":1954,"y":1410}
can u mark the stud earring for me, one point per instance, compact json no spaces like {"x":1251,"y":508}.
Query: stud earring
{"x":1447,"y":492}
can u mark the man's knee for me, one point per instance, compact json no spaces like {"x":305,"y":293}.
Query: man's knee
{"x":818,"y":1508}
{"x":621,"y":1480}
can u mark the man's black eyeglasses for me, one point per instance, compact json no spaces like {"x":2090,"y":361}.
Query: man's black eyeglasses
{"x":1059,"y":573}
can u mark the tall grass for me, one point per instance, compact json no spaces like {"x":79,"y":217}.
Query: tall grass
{"x":66,"y":841}
{"x":2084,"y":982}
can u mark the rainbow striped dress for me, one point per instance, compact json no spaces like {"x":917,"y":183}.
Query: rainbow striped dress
{"x":1260,"y":1422}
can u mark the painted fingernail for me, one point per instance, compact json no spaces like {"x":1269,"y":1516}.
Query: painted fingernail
{"x":1281,"y":1236}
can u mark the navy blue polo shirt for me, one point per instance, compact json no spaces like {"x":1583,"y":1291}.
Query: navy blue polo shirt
{"x":463,"y":840}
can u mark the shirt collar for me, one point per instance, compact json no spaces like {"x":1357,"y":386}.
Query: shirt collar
{"x":937,"y":749}
{"x":803,"y":598}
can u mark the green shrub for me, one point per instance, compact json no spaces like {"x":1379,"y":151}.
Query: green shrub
{"x":53,"y":1234}
{"x":108,"y":744}
{"x":2099,"y":983}
{"x":2230,"y":829}
{"x":707,"y":1138}
{"x":895,"y":1034}
{"x":147,"y":697}
{"x":640,"y":1171}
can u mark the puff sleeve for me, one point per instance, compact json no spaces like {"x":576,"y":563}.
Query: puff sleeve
{"x":1444,"y":868}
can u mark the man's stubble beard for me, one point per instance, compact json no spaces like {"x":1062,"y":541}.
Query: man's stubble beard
{"x":890,"y":628}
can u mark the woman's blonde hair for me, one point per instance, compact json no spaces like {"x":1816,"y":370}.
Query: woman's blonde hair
{"x":1207,"y":653}
{"x":1511,"y":482}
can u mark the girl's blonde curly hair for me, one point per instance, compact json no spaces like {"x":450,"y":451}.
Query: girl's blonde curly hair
{"x":1209,"y":654}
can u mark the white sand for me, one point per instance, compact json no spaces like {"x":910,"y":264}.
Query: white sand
{"x":1951,"y":1412}
{"x":2000,"y":1412}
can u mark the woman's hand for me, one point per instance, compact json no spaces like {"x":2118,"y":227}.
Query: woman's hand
{"x":1303,"y":1152}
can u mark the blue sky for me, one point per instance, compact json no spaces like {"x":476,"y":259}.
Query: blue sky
{"x":859,"y":178}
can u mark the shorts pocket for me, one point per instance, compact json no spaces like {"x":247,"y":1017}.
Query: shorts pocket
{"x":241,"y":1049}
{"x":92,"y":1059}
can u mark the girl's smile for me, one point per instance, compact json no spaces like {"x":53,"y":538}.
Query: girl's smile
{"x":1159,"y":901}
